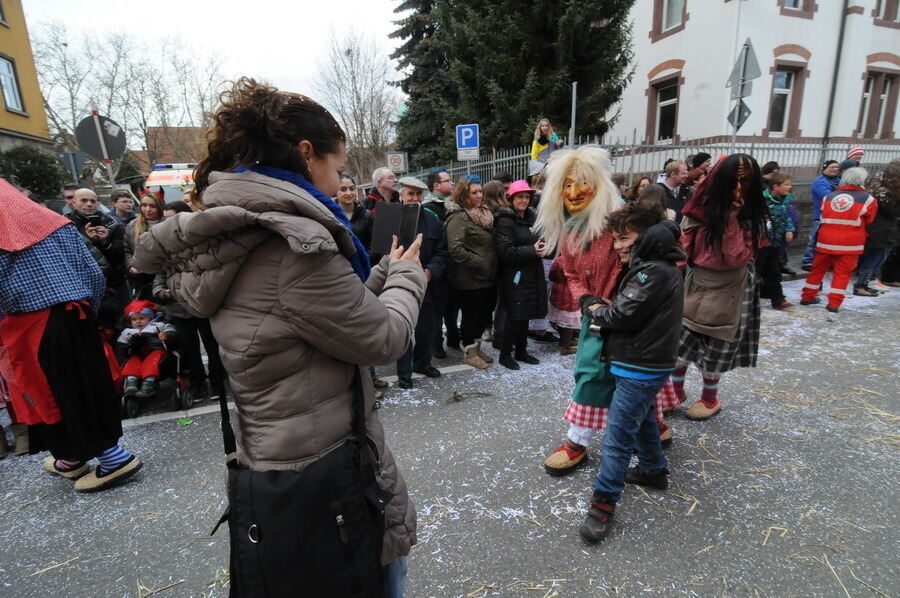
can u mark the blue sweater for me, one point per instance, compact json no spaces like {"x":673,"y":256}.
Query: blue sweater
{"x":822,"y":186}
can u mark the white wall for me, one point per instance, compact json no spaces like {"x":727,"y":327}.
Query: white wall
{"x":707,"y":45}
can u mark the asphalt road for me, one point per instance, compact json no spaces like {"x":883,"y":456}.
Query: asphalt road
{"x":791,"y":491}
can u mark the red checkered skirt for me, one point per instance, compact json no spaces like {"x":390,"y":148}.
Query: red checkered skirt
{"x":595,"y":418}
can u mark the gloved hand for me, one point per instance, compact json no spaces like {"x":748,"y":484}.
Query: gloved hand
{"x":587,"y":301}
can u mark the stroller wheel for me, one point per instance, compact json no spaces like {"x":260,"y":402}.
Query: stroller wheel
{"x":132,"y":407}
{"x":186,"y":397}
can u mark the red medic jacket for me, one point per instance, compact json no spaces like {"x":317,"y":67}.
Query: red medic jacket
{"x":845,"y":213}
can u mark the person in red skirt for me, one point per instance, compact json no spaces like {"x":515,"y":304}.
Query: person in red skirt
{"x":59,"y":377}
{"x":572,"y":214}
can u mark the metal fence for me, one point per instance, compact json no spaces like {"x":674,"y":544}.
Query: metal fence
{"x":802,"y":160}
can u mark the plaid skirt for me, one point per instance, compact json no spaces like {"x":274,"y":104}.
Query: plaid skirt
{"x":718,"y":356}
{"x":587,"y":416}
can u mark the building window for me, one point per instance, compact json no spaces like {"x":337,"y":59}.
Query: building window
{"x":887,"y":13}
{"x":786,"y":98}
{"x":673,"y":11}
{"x":666,"y":110}
{"x":780,"y":106}
{"x":11,"y":94}
{"x":879,"y":102}
{"x":804,"y":9}
{"x":669,"y":17}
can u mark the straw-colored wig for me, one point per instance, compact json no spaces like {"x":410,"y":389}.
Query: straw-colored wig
{"x":589,"y":165}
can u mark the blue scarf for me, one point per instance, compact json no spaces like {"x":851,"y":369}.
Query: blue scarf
{"x":359,"y":260}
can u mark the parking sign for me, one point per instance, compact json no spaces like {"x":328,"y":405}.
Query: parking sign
{"x":467,"y":136}
{"x":467,"y":142}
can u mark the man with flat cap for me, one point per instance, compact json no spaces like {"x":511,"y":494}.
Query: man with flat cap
{"x":433,"y":256}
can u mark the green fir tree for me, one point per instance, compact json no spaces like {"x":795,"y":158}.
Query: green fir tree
{"x":505,"y":64}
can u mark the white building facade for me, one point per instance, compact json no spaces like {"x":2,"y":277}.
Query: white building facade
{"x":685,"y":51}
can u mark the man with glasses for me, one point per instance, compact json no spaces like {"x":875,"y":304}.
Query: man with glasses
{"x":440,"y":187}
{"x":123,"y":207}
{"x":105,"y":239}
{"x":384,"y":180}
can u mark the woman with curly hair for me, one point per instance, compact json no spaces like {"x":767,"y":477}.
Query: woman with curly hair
{"x":299,"y":314}
{"x":722,"y":225}
{"x":473,"y":265}
{"x":881,"y":234}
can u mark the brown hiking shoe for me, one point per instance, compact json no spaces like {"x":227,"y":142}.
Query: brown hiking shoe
{"x":639,"y":477}
{"x":473,"y":359}
{"x":599,"y":519}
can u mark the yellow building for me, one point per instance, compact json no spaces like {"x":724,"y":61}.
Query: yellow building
{"x":22,"y":116}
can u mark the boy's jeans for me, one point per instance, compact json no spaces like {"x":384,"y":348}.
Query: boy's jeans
{"x":631,"y":423}
{"x":395,"y":578}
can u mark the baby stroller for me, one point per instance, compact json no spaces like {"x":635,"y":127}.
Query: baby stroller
{"x":173,"y":388}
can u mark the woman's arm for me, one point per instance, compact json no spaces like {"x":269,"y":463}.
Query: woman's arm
{"x":456,"y":243}
{"x":330,"y":309}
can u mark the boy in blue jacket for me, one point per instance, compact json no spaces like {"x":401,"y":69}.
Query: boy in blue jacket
{"x":641,"y":328}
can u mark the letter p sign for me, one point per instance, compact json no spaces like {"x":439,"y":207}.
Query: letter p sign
{"x":467,"y":136}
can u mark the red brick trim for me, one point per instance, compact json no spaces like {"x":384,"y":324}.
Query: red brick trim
{"x":675,"y":63}
{"x":792,"y":49}
{"x":810,"y":7}
{"x":883,"y":57}
{"x":855,"y":10}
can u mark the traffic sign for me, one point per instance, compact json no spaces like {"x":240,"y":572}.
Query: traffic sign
{"x":467,"y":136}
{"x":396,"y":161}
{"x":100,"y":137}
{"x":739,"y":115}
{"x":742,"y":91}
{"x":746,"y":68}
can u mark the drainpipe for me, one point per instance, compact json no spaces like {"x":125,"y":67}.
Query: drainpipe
{"x":834,"y":79}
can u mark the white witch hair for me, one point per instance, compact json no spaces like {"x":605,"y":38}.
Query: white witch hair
{"x":590,"y":165}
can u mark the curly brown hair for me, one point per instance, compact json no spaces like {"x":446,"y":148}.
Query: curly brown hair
{"x":460,"y":194}
{"x":258,"y":124}
{"x":887,"y":182}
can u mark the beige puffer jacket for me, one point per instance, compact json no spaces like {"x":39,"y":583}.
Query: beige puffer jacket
{"x":265,"y":263}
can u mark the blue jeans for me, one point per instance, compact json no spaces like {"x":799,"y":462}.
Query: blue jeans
{"x":810,"y":252}
{"x":395,"y":578}
{"x":867,"y":266}
{"x":631,"y":422}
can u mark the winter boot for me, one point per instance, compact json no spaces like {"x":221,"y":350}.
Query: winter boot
{"x":131,"y":385}
{"x":497,"y":340}
{"x":484,"y":356}
{"x":148,"y":387}
{"x":21,"y":433}
{"x":657,"y":481}
{"x":527,"y":357}
{"x":472,"y":358}
{"x":567,"y":344}
{"x":4,"y":447}
{"x":507,"y":361}
{"x":599,"y":518}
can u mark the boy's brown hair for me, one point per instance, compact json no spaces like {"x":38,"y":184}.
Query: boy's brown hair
{"x":636,"y":216}
{"x":778,"y":179}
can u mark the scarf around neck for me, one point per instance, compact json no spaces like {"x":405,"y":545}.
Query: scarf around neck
{"x":359,"y":260}
{"x":481,"y":216}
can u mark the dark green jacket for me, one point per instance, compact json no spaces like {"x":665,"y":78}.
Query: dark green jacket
{"x":473,"y":257}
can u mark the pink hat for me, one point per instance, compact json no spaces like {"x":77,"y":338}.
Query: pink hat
{"x":519,"y":186}
{"x":855,"y":150}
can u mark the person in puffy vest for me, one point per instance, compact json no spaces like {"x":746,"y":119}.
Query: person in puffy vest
{"x":841,"y":238}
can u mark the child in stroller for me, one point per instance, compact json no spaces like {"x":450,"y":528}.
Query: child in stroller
{"x":144,"y":344}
